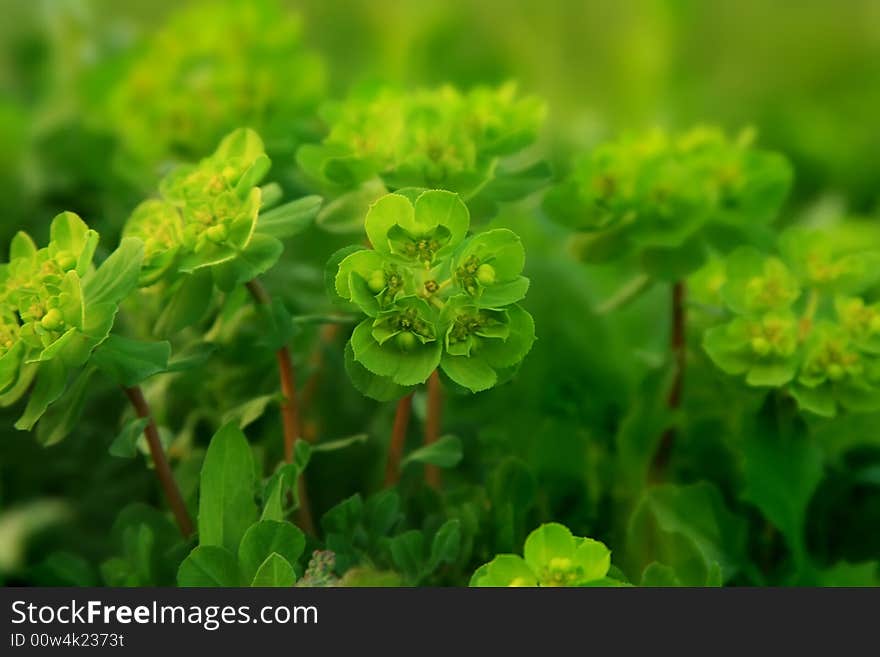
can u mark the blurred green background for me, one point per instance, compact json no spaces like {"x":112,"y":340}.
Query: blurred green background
{"x":806,"y":75}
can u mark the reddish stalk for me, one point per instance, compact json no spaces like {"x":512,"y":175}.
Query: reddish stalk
{"x":160,"y":462}
{"x":289,"y":410}
{"x":398,"y":440}
{"x":432,"y":425}
{"x":678,"y":347}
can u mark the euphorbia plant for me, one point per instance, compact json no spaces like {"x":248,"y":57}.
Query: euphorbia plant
{"x":800,"y":321}
{"x":190,"y":83}
{"x":58,"y":312}
{"x":206,"y":230}
{"x":552,"y":557}
{"x":668,"y":202}
{"x":434,"y":298}
{"x":384,"y":139}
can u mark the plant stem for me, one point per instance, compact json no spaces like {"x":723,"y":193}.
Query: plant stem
{"x":160,"y":462}
{"x":678,"y":347}
{"x":432,"y":424}
{"x":289,"y":410}
{"x":398,"y":440}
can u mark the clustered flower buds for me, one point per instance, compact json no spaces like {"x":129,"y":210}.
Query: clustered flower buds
{"x":211,"y":68}
{"x":435,"y":297}
{"x":799,"y":322}
{"x":661,"y":196}
{"x":206,"y":214}
{"x":55,"y":309}
{"x":427,"y":138}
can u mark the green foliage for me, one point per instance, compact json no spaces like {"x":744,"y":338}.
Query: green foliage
{"x":667,"y":199}
{"x":746,"y":454}
{"x":434,"y":297}
{"x":430,"y":138}
{"x":192,"y":82}
{"x":799,"y":321}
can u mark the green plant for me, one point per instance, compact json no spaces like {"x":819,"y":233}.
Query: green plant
{"x":552,"y":557}
{"x":386,"y":139}
{"x":434,"y":298}
{"x":800,"y":323}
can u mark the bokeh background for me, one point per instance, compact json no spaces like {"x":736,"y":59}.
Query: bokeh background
{"x":806,"y":75}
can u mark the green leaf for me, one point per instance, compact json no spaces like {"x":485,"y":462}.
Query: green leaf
{"x":782,"y":470}
{"x":117,"y":277}
{"x":472,"y":373}
{"x":505,"y":570}
{"x":289,"y":219}
{"x":341,"y":443}
{"x":406,"y":368}
{"x":258,"y":257}
{"x":408,"y":554}
{"x":226,"y":492}
{"x":265,"y":538}
{"x":208,"y":566}
{"x":383,"y":215}
{"x":131,"y":362}
{"x":382,"y":512}
{"x":187,"y":304}
{"x":275,"y":571}
{"x":446,"y":452}
{"x":371,"y":385}
{"x":50,"y":385}
{"x":550,"y":541}
{"x":446,"y":544}
{"x":250,"y":411}
{"x":62,"y":417}
{"x":346,"y":213}
{"x":688,"y":528}
{"x":659,"y":575}
{"x":441,"y":208}
{"x":125,"y":444}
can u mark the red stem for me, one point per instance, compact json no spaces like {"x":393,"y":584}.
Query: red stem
{"x":677,"y":345}
{"x":432,"y":425}
{"x":289,"y":411}
{"x":398,"y":440}
{"x":160,"y":462}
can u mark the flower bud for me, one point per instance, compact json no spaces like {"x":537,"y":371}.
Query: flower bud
{"x":66,"y":260}
{"x":52,"y":320}
{"x":406,"y":340}
{"x":760,"y":346}
{"x":376,"y":281}
{"x":835,"y":372}
{"x":218,"y":233}
{"x":486,"y":274}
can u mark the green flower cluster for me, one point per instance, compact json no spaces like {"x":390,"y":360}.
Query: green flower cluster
{"x":552,"y":557}
{"x":206,"y":214}
{"x":430,"y":138}
{"x":799,"y":321}
{"x":213,"y":67}
{"x":435,"y":297}
{"x":667,"y":198}
{"x":55,"y":308}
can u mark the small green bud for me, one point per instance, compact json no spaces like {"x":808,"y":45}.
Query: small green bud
{"x":218,"y":233}
{"x":406,"y":340}
{"x":376,"y":282}
{"x":65,"y":260}
{"x":835,"y":372}
{"x":760,"y":346}
{"x":52,"y":321}
{"x":486,"y":274}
